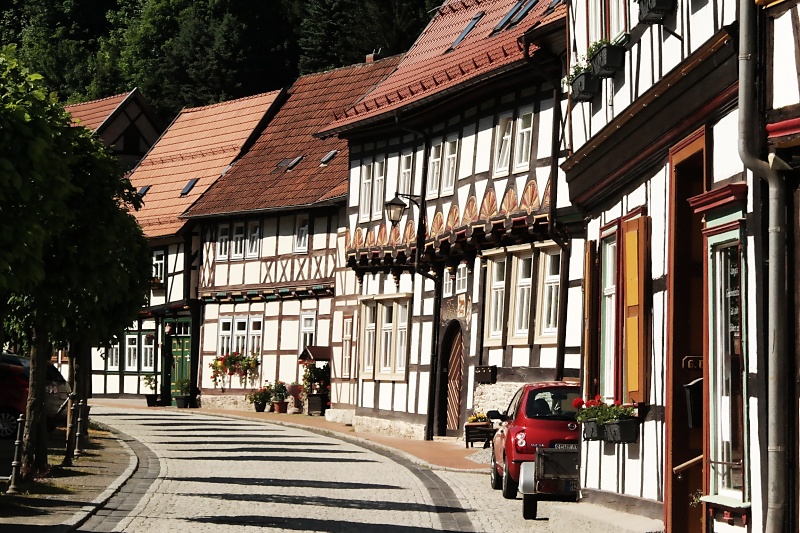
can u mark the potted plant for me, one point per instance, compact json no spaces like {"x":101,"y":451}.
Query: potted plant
{"x":151,"y":382}
{"x":260,"y":397}
{"x":587,"y":415}
{"x":583,"y":84}
{"x":185,"y":389}
{"x":605,"y":58}
{"x":279,"y":394}
{"x":608,"y":422}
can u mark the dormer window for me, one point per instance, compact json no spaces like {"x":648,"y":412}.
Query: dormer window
{"x":327,"y":158}
{"x":143,"y":191}
{"x":478,"y":16}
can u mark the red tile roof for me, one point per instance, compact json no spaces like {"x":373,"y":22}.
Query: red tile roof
{"x":200,"y":144}
{"x":260,"y":180}
{"x":92,"y":114}
{"x":429,"y":69}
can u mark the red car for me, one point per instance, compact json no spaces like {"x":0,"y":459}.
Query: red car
{"x":13,"y":398}
{"x":539,"y":415}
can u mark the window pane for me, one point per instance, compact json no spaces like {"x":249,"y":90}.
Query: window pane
{"x":504,"y":145}
{"x":223,"y":240}
{"x":434,"y":170}
{"x":366,"y":191}
{"x":522,"y":144}
{"x":254,"y":239}
{"x":238,"y":240}
{"x":378,"y":195}
{"x":449,"y":178}
{"x":404,"y":185}
{"x":608,"y":318}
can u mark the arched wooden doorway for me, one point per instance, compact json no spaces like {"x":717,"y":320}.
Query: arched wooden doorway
{"x":453,"y":350}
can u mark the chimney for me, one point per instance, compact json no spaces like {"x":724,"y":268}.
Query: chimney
{"x":374,"y":56}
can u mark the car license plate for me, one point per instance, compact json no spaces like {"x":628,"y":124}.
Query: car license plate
{"x":572,"y":485}
{"x":566,"y":446}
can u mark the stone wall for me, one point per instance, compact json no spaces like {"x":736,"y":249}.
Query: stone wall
{"x":496,"y":396}
{"x":232,"y":402}
{"x":392,"y":428}
{"x":340,"y":416}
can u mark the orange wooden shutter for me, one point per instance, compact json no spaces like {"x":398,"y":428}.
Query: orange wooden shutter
{"x":636,"y":352}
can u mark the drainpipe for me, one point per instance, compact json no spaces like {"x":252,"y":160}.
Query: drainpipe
{"x":436,"y":382}
{"x":777,"y":364}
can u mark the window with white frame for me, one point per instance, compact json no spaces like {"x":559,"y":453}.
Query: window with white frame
{"x":504,"y":130}
{"x":608,"y":19}
{"x":223,"y":241}
{"x":301,"y":234}
{"x":158,"y":265}
{"x":253,"y":239}
{"x":522,"y":140}
{"x":401,"y":348}
{"x":461,"y":278}
{"x":549,"y":284}
{"x":497,"y":297}
{"x":522,"y":298}
{"x":434,"y":170}
{"x":148,"y":351}
{"x":240,"y":335}
{"x":255,"y":335}
{"x":366,"y":192}
{"x":237,"y":251}
{"x":386,"y":336}
{"x":608,"y":316}
{"x":370,"y":324}
{"x":131,"y":352}
{"x":347,"y":346}
{"x":308,"y":328}
{"x":225,"y":336}
{"x":447,"y":285}
{"x":378,"y":192}
{"x":112,"y":357}
{"x":406,"y":172}
{"x":450,"y":169}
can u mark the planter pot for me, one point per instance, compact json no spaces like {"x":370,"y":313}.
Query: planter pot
{"x":481,"y":432}
{"x":152,"y":399}
{"x":260,"y":406}
{"x":592,"y":430}
{"x":317,"y":403}
{"x":654,"y":11}
{"x":279,"y":407}
{"x":182,"y":401}
{"x":624,"y":430}
{"x":584,"y":87}
{"x":608,"y":60}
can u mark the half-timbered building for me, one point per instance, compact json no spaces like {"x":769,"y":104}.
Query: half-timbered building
{"x":473,"y":291}
{"x":199,"y":145}
{"x":271,"y":280}
{"x":674,"y":290}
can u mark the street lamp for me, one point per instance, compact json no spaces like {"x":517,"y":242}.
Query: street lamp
{"x":396,"y":207}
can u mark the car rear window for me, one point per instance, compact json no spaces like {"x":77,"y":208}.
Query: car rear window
{"x":555,"y":402}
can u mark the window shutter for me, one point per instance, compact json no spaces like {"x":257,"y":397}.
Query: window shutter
{"x":591,"y":275}
{"x":636,"y":256}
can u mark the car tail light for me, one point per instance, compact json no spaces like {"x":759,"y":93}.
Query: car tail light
{"x":519,"y":441}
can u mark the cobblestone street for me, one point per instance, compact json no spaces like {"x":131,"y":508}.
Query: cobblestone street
{"x":212,"y":473}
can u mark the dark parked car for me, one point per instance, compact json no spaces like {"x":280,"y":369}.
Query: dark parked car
{"x":57,"y":391}
{"x":540,"y":415}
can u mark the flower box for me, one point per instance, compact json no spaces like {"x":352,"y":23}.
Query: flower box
{"x":317,"y":403}
{"x":478,"y":432}
{"x":654,"y":11}
{"x":624,"y":430}
{"x":584,"y":86}
{"x":592,"y":430}
{"x":608,"y":60}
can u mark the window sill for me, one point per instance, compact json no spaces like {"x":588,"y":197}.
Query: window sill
{"x":500,"y":174}
{"x":519,"y":340}
{"x":383,"y":376}
{"x":727,"y":502}
{"x":493,"y":342}
{"x":520,"y":169}
{"x":546,"y":340}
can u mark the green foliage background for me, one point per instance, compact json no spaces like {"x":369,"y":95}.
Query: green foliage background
{"x":195,"y":52}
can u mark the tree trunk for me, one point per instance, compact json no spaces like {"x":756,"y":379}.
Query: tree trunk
{"x":34,"y":446}
{"x":82,"y":360}
{"x":69,"y":449}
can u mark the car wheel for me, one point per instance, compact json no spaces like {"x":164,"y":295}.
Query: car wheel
{"x":529,"y":506}
{"x":8,"y":423}
{"x":509,"y":485}
{"x":497,"y":481}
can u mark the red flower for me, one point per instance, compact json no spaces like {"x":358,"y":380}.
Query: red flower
{"x":598,"y":397}
{"x":577,"y":403}
{"x":617,"y":402}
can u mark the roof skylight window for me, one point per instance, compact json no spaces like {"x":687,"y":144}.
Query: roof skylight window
{"x":328,"y":157}
{"x":188,"y":187}
{"x":294,"y":162}
{"x":511,"y":13}
{"x":478,"y":16}
{"x":523,"y":12}
{"x":144,"y":190}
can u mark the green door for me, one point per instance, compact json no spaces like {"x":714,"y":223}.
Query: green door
{"x":181,"y":353}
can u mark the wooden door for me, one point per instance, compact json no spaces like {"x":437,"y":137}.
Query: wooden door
{"x":181,"y":362}
{"x":454,"y":371}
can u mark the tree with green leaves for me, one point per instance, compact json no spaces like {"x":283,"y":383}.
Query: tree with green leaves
{"x":93,"y":262}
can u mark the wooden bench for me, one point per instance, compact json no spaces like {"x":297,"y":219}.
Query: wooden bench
{"x":482,"y":433}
